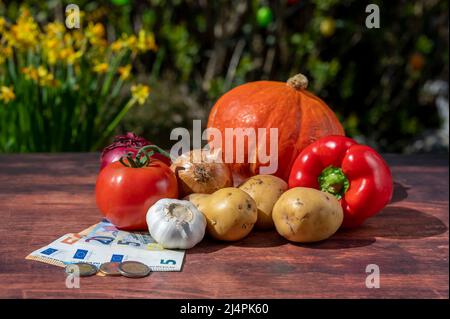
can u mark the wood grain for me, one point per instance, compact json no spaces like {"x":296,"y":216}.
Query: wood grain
{"x":45,"y":196}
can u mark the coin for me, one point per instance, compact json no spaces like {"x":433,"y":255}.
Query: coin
{"x":82,"y":269}
{"x":110,"y":269}
{"x":134,"y":269}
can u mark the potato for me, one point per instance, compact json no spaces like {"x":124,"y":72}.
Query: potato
{"x":194,"y":198}
{"x":307,"y":215}
{"x":265,"y":191}
{"x":230,"y":213}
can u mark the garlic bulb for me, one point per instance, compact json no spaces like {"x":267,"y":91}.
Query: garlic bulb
{"x":176,"y":224}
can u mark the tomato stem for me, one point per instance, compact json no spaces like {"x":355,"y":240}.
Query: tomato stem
{"x":333,"y":180}
{"x":143,"y":156}
{"x":153,"y":148}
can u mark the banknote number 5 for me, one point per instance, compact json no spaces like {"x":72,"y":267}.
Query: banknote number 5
{"x":128,"y":243}
{"x":168,"y":262}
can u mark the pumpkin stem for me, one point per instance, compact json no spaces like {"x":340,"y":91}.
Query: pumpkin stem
{"x":298,"y":82}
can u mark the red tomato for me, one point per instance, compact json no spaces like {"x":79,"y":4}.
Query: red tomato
{"x":124,"y":194}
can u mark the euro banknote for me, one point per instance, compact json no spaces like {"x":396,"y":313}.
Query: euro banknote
{"x":103,"y":242}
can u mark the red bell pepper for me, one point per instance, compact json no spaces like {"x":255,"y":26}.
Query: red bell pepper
{"x":356,"y":174}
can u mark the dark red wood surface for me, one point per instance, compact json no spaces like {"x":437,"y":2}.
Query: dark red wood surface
{"x":45,"y":196}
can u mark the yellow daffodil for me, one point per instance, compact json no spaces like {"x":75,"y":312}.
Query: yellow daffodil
{"x":51,"y":43}
{"x":50,"y":49}
{"x":42,"y":71}
{"x":55,"y":29}
{"x":95,"y":30}
{"x":98,"y":43}
{"x":61,"y":46}
{"x":25,"y":33}
{"x":146,"y":41}
{"x":52,"y":57}
{"x":78,"y":38}
{"x":45,"y":78}
{"x":101,"y":68}
{"x":2,"y":24}
{"x":40,"y":75}
{"x":68,"y":40}
{"x":5,"y":52}
{"x":117,"y":45}
{"x":98,"y":30}
{"x":140,"y":93}
{"x":64,"y":53}
{"x":7,"y":94}
{"x":57,"y":48}
{"x":124,"y":72}
{"x":131,"y":42}
{"x":30,"y":73}
{"x":74,"y":57}
{"x":95,"y":33}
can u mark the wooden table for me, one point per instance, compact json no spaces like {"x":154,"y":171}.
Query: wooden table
{"x":45,"y":196}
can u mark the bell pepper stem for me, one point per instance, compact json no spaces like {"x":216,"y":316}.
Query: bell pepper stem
{"x":333,"y":180}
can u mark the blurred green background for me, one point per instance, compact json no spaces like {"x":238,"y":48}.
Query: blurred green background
{"x":389,"y":86}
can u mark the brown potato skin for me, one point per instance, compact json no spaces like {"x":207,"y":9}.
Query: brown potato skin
{"x":265,"y":190}
{"x":195,"y":198}
{"x":307,"y":215}
{"x":230,"y":213}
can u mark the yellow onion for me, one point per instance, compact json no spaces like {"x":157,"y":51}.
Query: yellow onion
{"x":200,"y":171}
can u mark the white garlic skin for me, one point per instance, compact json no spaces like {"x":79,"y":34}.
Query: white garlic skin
{"x":176,"y":224}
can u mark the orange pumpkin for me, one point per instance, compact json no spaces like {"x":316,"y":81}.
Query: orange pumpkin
{"x":300,"y":116}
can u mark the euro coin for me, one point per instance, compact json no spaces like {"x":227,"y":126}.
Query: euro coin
{"x":134,"y":269}
{"x":81,"y":269}
{"x":110,"y":269}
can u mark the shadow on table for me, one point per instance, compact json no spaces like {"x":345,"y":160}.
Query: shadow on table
{"x":392,"y":222}
{"x":401,"y":223}
{"x":339,"y":242}
{"x":400,"y":192}
{"x":256,"y":239}
{"x":261,"y":239}
{"x":208,"y":245}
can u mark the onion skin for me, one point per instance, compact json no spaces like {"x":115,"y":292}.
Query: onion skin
{"x":199,"y":171}
{"x":124,"y":144}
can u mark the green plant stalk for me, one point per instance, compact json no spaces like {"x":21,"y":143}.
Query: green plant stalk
{"x":111,"y":71}
{"x":115,"y":91}
{"x":112,"y":96}
{"x":11,"y":68}
{"x":158,"y":62}
{"x":113,"y":124}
